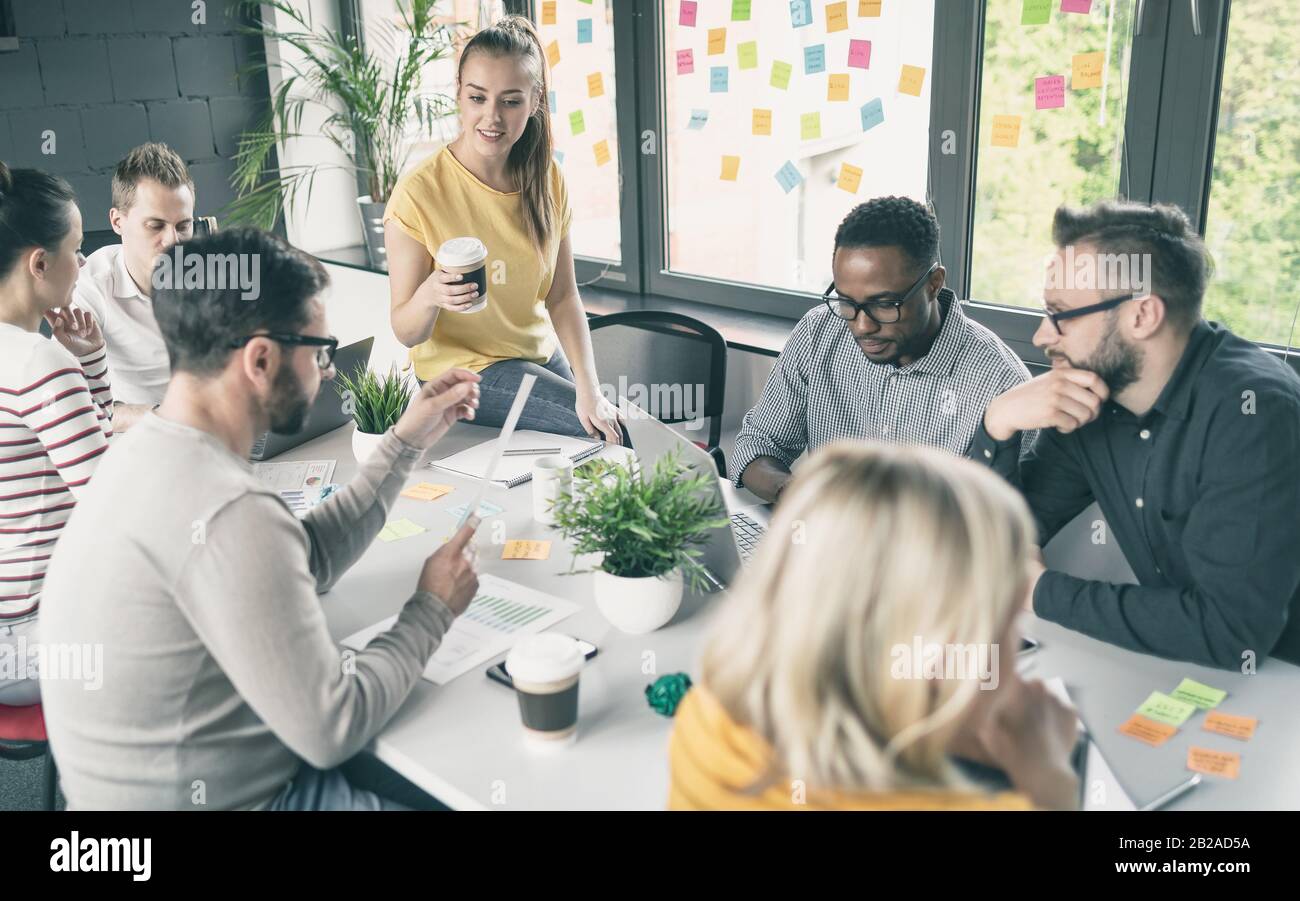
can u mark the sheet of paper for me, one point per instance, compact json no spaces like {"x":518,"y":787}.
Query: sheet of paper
{"x":1198,"y":693}
{"x":1147,"y":730}
{"x":1240,"y":727}
{"x":300,"y":475}
{"x":397,"y":529}
{"x":1226,"y":764}
{"x":523,"y":549}
{"x":1159,"y":706}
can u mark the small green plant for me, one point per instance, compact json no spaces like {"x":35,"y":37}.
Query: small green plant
{"x":377,"y":403}
{"x":645,"y":525}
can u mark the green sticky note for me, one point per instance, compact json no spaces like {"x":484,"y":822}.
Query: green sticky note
{"x":748,"y":53}
{"x":577,"y":125}
{"x":1203,"y":696}
{"x":1035,"y":12}
{"x":740,"y":10}
{"x":399,"y":529}
{"x":1162,"y":708}
{"x":810,"y":126}
{"x":781,"y":75}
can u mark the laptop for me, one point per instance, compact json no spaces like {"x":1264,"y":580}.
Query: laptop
{"x":327,"y":411}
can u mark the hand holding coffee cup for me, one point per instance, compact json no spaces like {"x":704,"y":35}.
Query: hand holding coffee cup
{"x":459,"y":280}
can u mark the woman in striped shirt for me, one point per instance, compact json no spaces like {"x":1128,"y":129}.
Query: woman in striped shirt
{"x":56,"y":410}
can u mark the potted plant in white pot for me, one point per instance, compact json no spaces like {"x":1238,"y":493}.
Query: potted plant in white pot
{"x":649,"y":529}
{"x":374,"y":403}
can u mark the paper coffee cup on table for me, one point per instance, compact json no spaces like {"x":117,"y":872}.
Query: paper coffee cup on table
{"x":466,"y":257}
{"x":545,"y":669}
{"x":552,"y":478}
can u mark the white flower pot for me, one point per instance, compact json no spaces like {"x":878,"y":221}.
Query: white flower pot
{"x":637,"y":606}
{"x":364,"y":444}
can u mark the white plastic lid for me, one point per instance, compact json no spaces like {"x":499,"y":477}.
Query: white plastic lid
{"x":462,"y":252}
{"x":545,"y":657}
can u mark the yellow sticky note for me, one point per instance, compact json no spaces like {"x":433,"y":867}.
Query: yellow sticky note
{"x":747,"y":55}
{"x":601,"y":149}
{"x":1006,"y":131}
{"x":850,"y":178}
{"x":810,"y":126}
{"x":427,"y":491}
{"x":595,"y":85}
{"x":869,"y":9}
{"x":730,"y":168}
{"x":526,"y":550}
{"x":1215,"y":763}
{"x":911,"y":79}
{"x":1242,"y":727}
{"x":548,"y":12}
{"x":717,"y":41}
{"x":1087,"y":70}
{"x":837,"y":87}
{"x":837,"y":16}
{"x":553,"y":53}
{"x":398,"y":529}
{"x":762,"y":121}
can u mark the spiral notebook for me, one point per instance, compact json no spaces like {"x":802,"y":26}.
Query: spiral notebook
{"x":512,"y":470}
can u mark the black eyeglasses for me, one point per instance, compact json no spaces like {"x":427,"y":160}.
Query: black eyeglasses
{"x":1058,"y":318}
{"x":883,"y":312}
{"x":326,"y":347}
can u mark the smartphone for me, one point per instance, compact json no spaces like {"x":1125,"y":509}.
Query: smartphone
{"x":1027,"y":645}
{"x":499,"y":673}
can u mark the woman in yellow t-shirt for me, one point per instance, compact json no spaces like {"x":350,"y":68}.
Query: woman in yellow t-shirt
{"x":871,"y":641}
{"x":497,"y":182}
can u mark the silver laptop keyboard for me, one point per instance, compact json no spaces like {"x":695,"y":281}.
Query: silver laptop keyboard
{"x":748,"y":531}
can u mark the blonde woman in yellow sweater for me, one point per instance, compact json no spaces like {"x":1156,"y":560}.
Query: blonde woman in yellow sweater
{"x":812,"y":694}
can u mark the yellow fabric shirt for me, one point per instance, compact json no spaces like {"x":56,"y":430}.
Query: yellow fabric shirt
{"x":441,"y":199}
{"x":713,"y":760}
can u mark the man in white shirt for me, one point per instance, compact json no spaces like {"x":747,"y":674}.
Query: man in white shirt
{"x":153,"y":209}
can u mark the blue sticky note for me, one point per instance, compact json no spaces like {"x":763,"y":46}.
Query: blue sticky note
{"x":559,"y":157}
{"x":584,"y":31}
{"x":789,"y":177}
{"x":800,"y":13}
{"x":873,"y":113}
{"x":699,"y":117}
{"x":485,"y":509}
{"x":550,"y":101}
{"x":814,"y":59}
{"x":718,"y":79}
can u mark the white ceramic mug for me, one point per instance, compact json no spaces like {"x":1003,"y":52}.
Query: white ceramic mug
{"x":552,"y":477}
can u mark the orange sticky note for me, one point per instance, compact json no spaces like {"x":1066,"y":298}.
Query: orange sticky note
{"x":850,"y":178}
{"x":553,"y":53}
{"x":717,"y":41}
{"x":869,"y":9}
{"x":1242,"y":727}
{"x":762,"y":121}
{"x":427,"y":491}
{"x":1147,"y":730}
{"x":526,"y":550}
{"x":1214,"y":763}
{"x":837,"y":16}
{"x":730,"y":168}
{"x":837,"y":87}
{"x":1006,"y":131}
{"x":1086,"y":70}
{"x":595,"y":85}
{"x":911,"y":79}
{"x":601,"y":149}
{"x":548,"y":12}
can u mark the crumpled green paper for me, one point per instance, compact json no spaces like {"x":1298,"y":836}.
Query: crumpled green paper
{"x":667,"y":692}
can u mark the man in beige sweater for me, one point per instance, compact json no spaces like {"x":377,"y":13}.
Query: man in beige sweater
{"x":221,"y":686}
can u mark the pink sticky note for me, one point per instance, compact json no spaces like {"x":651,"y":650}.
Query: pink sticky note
{"x":1049,"y":92}
{"x":860,"y":54}
{"x":687,"y":16}
{"x":1076,"y":6}
{"x":685,"y":62}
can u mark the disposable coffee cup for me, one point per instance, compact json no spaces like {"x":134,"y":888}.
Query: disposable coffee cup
{"x":545,"y":669}
{"x":466,"y":257}
{"x":552,"y":479}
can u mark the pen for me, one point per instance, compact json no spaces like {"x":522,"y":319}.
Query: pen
{"x":523,"y":451}
{"x":1176,"y":792}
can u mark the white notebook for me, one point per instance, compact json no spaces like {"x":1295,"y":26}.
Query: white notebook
{"x":512,"y":471}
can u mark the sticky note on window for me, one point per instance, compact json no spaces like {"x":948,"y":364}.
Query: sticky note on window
{"x":399,"y":529}
{"x":859,"y":54}
{"x":427,"y":491}
{"x":837,"y":16}
{"x":550,"y":101}
{"x":762,"y":122}
{"x":873,"y":113}
{"x":584,"y":31}
{"x":850,"y":178}
{"x":548,"y":12}
{"x":730,"y":168}
{"x":1086,"y":70}
{"x":781,"y":75}
{"x":810,"y":126}
{"x":718,"y":80}
{"x":559,"y":157}
{"x":1225,"y":764}
{"x":789,"y":177}
{"x":485,"y":509}
{"x":1147,"y":730}
{"x":801,"y":13}
{"x":740,"y":10}
{"x":601,"y":149}
{"x":1035,"y":12}
{"x":595,"y":85}
{"x":699,"y":118}
{"x":685,"y":62}
{"x":686,"y":15}
{"x":747,"y":53}
{"x":526,"y":550}
{"x":1203,"y":696}
{"x":717,"y":41}
{"x":837,"y":87}
{"x":911,"y":79}
{"x":1006,"y":131}
{"x":1049,"y":92}
{"x":1162,"y":708}
{"x":814,"y":59}
{"x":869,"y":9}
{"x":577,"y":125}
{"x":1076,"y":6}
{"x":1240,"y":727}
{"x":553,"y":53}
